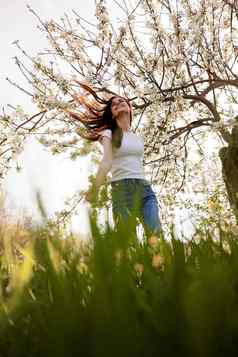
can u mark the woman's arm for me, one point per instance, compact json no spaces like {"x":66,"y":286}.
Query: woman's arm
{"x":102,"y":172}
{"x":106,"y":163}
{"x":104,"y":168}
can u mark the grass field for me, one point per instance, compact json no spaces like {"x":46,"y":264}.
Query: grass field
{"x":115,"y":296}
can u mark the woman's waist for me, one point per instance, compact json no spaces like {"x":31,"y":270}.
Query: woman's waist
{"x":129,"y":181}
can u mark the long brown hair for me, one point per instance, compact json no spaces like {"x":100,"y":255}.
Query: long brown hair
{"x":97,"y":115}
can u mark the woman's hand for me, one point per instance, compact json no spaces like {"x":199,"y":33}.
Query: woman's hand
{"x":90,"y":195}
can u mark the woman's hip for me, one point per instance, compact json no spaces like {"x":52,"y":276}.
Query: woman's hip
{"x":128,"y":192}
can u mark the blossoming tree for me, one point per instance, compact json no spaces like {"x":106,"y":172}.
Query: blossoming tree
{"x":175,"y":61}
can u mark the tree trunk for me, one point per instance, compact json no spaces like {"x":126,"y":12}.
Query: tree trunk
{"x":229,"y":159}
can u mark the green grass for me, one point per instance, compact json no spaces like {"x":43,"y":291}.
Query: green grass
{"x":116,"y":296}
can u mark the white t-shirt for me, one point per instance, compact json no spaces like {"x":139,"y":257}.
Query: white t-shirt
{"x":127,"y":160}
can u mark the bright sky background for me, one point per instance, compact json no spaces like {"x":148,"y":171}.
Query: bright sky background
{"x":55,"y":176}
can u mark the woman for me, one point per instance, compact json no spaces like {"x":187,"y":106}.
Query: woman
{"x":132,"y":195}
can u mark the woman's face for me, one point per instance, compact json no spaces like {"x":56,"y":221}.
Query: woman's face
{"x":119,"y":105}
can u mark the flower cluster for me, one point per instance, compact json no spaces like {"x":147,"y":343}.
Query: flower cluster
{"x":11,"y":141}
{"x":103,"y":26}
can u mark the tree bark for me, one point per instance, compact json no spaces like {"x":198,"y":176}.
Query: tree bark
{"x":229,"y":159}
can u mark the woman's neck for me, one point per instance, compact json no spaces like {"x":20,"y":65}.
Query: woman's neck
{"x":123,"y":122}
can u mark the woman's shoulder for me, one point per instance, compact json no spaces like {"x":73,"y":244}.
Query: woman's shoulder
{"x":106,"y":132}
{"x":138,"y":135}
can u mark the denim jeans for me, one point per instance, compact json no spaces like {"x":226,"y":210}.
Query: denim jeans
{"x":134,"y":198}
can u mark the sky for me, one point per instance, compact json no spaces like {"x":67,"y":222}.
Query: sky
{"x":55,"y":177}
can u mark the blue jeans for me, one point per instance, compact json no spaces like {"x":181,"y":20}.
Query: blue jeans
{"x":133,"y":198}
